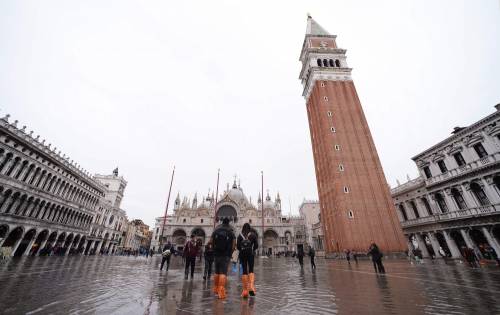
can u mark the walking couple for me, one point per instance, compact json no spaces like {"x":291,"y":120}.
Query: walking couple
{"x":224,"y":243}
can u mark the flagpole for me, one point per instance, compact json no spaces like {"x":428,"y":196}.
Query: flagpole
{"x":166,"y":209}
{"x":262,"y":206}
{"x":216,"y":196}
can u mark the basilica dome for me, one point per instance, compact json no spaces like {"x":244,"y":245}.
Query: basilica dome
{"x":236,"y":194}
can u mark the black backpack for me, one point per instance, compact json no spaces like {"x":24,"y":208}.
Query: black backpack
{"x":246,"y":246}
{"x":221,"y":240}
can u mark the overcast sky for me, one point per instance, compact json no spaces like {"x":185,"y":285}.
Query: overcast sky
{"x":144,"y":85}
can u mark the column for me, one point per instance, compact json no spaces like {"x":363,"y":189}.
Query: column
{"x":469,"y":198}
{"x":489,"y":190}
{"x":98,"y":249}
{"x":29,"y":208}
{"x":31,"y":176}
{"x":18,"y":208}
{"x":42,"y":245}
{"x":455,"y":252}
{"x":23,"y":173}
{"x":16,"y":245}
{"x":435,"y":244}
{"x":88,"y":247}
{"x":422,"y":246}
{"x":432,"y":204}
{"x":450,"y":202}
{"x":14,"y":206}
{"x":470,"y":243}
{"x":66,"y":251}
{"x":27,"y":250}
{"x":7,"y":165}
{"x":6,"y":204}
{"x":491,"y":240}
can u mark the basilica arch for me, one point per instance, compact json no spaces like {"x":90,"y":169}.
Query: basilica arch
{"x":179,"y":238}
{"x":199,"y":234}
{"x":227,"y":210}
{"x":270,"y":241}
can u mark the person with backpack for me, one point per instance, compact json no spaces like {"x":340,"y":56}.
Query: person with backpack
{"x":247,"y":244}
{"x":190,"y":254}
{"x":312,"y":254}
{"x":223,"y":240}
{"x":209,"y":260}
{"x":165,"y":255}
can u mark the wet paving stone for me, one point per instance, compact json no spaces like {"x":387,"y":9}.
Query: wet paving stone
{"x":134,"y":285}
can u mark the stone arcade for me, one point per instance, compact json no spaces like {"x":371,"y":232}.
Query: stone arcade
{"x":48,"y":202}
{"x":455,"y":202}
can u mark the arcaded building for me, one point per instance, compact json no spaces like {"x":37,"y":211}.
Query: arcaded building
{"x":356,"y":205}
{"x":455,"y":202}
{"x":198,"y":217}
{"x":48,"y":202}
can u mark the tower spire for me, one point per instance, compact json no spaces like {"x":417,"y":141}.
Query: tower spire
{"x":313,"y":28}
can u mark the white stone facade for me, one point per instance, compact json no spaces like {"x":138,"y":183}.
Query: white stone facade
{"x":310,"y":211}
{"x":47,"y":202}
{"x":110,"y":223}
{"x":455,"y":203}
{"x":281,"y":233}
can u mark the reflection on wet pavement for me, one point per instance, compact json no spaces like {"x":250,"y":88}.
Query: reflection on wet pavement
{"x":130,"y":285}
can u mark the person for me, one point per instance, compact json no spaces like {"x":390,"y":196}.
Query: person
{"x":223,"y":240}
{"x":377,"y":255}
{"x":312,"y":253}
{"x":209,"y":260}
{"x":300,"y":256}
{"x":151,"y":252}
{"x":247,"y":244}
{"x":348,"y":256}
{"x":355,"y":256}
{"x":190,"y":253}
{"x":165,"y":255}
{"x":470,"y":257}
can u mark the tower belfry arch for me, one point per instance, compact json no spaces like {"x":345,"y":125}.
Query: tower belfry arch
{"x":355,"y":202}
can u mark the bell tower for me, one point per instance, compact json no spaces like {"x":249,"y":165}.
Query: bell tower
{"x":355,"y":201}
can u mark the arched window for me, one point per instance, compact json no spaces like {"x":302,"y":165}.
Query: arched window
{"x":319,"y":62}
{"x":496,"y":181}
{"x":337,"y":63}
{"x":441,"y":203}
{"x":403,"y":212}
{"x":325,"y":63}
{"x":479,"y":194}
{"x":459,"y":199}
{"x":332,"y":64}
{"x":415,"y":210}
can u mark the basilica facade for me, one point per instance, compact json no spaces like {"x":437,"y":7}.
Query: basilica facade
{"x":277,"y":233}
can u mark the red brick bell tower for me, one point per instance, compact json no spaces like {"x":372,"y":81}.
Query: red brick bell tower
{"x":356,"y":205}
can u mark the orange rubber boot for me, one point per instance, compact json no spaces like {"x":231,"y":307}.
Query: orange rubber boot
{"x":216,"y":284}
{"x":222,"y":286}
{"x":251,"y":284}
{"x":244,"y":283}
